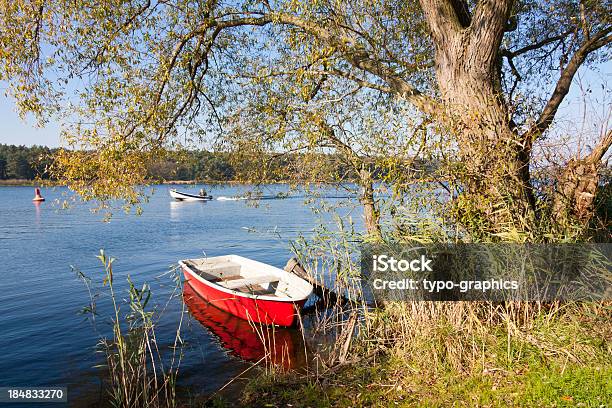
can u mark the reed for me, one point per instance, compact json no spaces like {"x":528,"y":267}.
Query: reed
{"x":140,"y":373}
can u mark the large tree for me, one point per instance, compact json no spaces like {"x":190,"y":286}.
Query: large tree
{"x":139,"y":73}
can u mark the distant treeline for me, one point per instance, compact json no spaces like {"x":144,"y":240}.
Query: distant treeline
{"x":24,"y":163}
{"x":28,"y":163}
{"x":192,"y":165}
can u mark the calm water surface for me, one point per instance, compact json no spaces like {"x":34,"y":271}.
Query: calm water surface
{"x":43,"y":339}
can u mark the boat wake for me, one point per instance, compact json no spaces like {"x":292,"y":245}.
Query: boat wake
{"x":223,"y":198}
{"x":279,"y":197}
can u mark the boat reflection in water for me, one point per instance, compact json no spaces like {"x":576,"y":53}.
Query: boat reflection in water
{"x":280,"y":347}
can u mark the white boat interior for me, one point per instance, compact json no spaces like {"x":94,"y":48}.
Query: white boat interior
{"x":247,"y":276}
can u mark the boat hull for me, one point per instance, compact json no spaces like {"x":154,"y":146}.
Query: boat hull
{"x":280,"y":346}
{"x":177,"y":195}
{"x":263,"y":311}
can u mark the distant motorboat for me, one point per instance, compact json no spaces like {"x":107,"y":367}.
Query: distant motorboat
{"x":178,"y":195}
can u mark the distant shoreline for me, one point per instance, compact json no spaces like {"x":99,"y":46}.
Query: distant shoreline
{"x":17,"y":183}
{"x":35,"y":183}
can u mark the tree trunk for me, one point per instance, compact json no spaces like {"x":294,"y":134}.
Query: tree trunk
{"x":577,"y":186}
{"x":575,"y":192}
{"x":370,"y":212}
{"x":494,"y":170}
{"x":495,"y":160}
{"x":494,"y":166}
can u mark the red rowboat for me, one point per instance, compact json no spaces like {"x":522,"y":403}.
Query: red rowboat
{"x":248,"y":289}
{"x":279,"y":346}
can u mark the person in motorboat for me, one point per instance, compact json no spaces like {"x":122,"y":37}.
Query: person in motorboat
{"x":203,"y":192}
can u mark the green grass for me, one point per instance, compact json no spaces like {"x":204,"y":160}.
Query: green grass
{"x":561,"y":359}
{"x":387,"y":384}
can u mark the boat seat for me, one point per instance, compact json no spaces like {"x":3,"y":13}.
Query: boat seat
{"x":216,"y":272}
{"x":229,"y":278}
{"x":257,"y":290}
{"x":255,"y":280}
{"x":217,"y":279}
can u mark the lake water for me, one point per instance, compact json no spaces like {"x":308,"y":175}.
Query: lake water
{"x":43,"y":339}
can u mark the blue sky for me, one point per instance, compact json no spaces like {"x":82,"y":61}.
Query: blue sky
{"x":13,"y":130}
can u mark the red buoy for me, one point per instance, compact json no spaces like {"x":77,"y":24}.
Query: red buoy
{"x":37,"y":196}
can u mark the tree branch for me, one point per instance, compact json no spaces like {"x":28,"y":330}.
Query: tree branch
{"x":462,"y":11}
{"x":353,"y":53}
{"x":600,"y":149}
{"x":351,"y":77}
{"x":487,"y":30}
{"x":535,"y":46}
{"x":563,"y":84}
{"x":442,"y":19}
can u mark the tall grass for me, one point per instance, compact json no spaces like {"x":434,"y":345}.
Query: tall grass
{"x":418,"y":350}
{"x":140,"y":373}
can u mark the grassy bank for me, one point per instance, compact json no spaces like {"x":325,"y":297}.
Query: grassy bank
{"x":390,"y":382}
{"x":24,"y":182}
{"x":18,"y":182}
{"x":463,"y":355}
{"x":29,"y":183}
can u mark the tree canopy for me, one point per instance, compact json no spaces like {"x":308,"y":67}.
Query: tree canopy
{"x":132,"y":78}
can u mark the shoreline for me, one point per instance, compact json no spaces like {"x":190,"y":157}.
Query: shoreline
{"x":18,"y":183}
{"x":48,"y":183}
